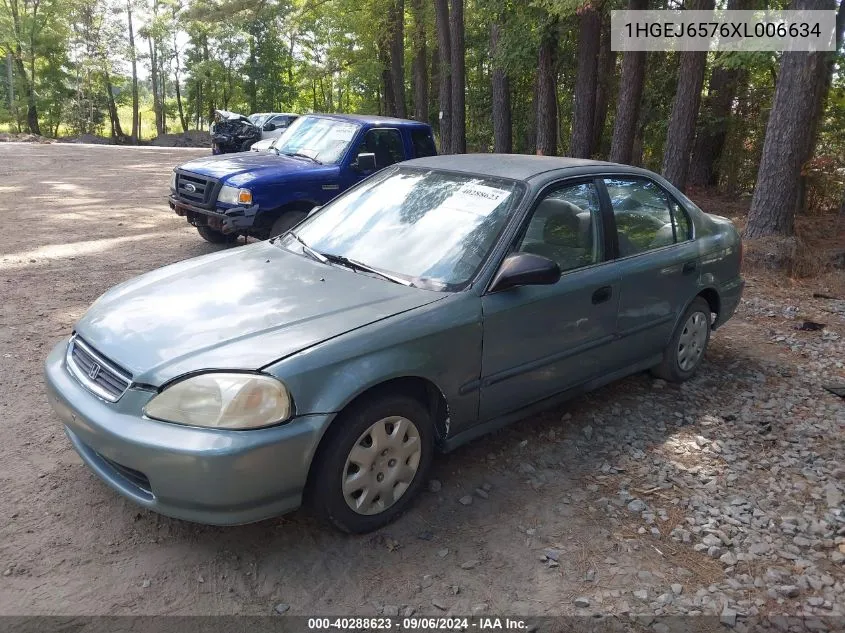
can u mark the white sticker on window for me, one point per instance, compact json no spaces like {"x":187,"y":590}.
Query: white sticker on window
{"x":475,"y":198}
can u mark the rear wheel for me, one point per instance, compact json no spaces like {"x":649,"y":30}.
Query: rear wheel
{"x":683,"y":355}
{"x":373,"y":465}
{"x":286,"y":221}
{"x":216,"y":237}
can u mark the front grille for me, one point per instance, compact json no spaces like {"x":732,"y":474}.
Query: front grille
{"x":95,"y":372}
{"x":204,"y":189}
{"x":134,"y":477}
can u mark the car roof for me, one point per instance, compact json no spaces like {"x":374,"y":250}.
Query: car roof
{"x":370,"y":119}
{"x":516,"y":166}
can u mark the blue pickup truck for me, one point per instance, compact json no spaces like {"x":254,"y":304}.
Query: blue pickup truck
{"x":262,"y":194}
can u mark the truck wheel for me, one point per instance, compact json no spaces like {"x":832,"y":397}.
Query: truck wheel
{"x":246,"y":145}
{"x":216,"y":237}
{"x":287,"y":221}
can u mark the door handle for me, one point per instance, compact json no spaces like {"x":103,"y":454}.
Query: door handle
{"x":602,"y":294}
{"x":689,"y":267}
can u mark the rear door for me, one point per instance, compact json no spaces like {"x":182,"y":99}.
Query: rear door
{"x":540,"y":340}
{"x":658,"y":262}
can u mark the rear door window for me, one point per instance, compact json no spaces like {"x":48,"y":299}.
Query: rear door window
{"x":646,"y":218}
{"x":423,"y":143}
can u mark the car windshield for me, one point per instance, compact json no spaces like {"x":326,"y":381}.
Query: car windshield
{"x":321,"y":139}
{"x":430,"y":228}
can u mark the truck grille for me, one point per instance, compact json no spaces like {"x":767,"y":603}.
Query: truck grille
{"x":196,"y":189}
{"x":100,"y":376}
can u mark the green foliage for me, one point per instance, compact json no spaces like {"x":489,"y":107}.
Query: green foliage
{"x":329,"y":55}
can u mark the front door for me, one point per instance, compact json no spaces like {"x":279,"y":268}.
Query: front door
{"x":541,"y":340}
{"x":387,"y":146}
{"x":658,"y":261}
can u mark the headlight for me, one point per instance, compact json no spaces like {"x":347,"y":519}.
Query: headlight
{"x":173,"y":180}
{"x":223,"y":401}
{"x":233,"y":195}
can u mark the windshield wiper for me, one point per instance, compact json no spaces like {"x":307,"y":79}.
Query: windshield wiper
{"x":307,"y":249}
{"x":301,"y":155}
{"x":351,"y":263}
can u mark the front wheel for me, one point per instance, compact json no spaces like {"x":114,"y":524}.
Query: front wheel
{"x":287,"y":221}
{"x":216,"y":237}
{"x":683,"y":355}
{"x":373,"y":464}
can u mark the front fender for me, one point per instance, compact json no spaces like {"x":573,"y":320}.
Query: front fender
{"x":328,"y":376}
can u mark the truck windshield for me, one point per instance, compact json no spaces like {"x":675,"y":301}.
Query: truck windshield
{"x":431,"y":228}
{"x":322,"y":139}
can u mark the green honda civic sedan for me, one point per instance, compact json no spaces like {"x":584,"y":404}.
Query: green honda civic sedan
{"x":434,"y":302}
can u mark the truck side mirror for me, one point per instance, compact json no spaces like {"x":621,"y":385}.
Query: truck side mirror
{"x":269,"y":127}
{"x":365,"y":162}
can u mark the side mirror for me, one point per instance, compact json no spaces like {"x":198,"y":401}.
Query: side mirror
{"x":365,"y":162}
{"x":525,"y":269}
{"x":269,"y":127}
{"x":314,"y":210}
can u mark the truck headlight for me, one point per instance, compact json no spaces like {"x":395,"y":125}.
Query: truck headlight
{"x":223,"y":401}
{"x":173,"y":180}
{"x":233,"y":195}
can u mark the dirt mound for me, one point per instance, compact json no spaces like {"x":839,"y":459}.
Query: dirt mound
{"x":89,"y":139}
{"x":191,"y":138}
{"x":23,"y":137}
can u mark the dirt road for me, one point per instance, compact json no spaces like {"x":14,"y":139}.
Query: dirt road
{"x":605,"y":505}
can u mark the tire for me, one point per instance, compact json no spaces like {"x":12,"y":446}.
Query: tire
{"x":363,"y":504}
{"x":216,"y":237}
{"x":246,"y":145}
{"x":286,"y":221}
{"x":682,"y":357}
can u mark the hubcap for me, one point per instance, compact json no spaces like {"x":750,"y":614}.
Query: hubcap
{"x":691,"y":343}
{"x":381,"y":465}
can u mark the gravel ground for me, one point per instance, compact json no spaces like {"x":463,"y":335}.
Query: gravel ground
{"x":722,"y":496}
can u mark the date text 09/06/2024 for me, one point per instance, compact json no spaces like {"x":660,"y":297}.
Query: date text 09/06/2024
{"x":489,"y":623}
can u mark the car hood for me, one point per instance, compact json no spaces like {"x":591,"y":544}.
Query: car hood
{"x":242,"y":168}
{"x":243,"y":308}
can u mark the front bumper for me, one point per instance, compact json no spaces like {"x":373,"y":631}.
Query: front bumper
{"x":203,"y":475}
{"x":225,"y":220}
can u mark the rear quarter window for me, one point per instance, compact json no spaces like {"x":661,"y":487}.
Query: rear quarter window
{"x":423,"y":143}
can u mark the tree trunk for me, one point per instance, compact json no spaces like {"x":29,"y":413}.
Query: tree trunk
{"x":116,"y":131}
{"x":133,"y":56}
{"x":387,"y":105}
{"x":251,"y":86}
{"x":182,"y":118}
{"x":396,"y":25}
{"x":502,"y":128}
{"x":154,"y":82}
{"x":444,"y":46}
{"x":713,"y":122}
{"x":788,"y":136}
{"x":679,"y":137}
{"x":420,"y":63}
{"x":629,"y":100}
{"x":547,"y":122}
{"x":713,"y":126}
{"x":604,"y":86}
{"x":434,"y":82}
{"x":825,"y":81}
{"x":29,"y":95}
{"x":459,"y":117}
{"x":584,"y":112}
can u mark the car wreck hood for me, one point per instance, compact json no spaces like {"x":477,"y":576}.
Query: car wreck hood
{"x":239,"y":309}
